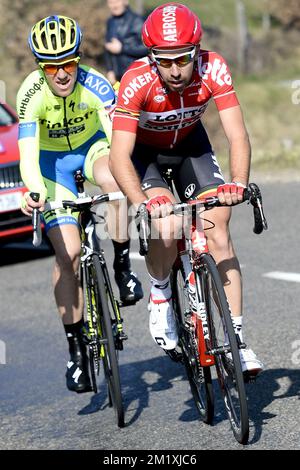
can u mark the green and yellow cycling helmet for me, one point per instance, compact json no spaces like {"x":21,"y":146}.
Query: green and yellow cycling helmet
{"x":55,"y":37}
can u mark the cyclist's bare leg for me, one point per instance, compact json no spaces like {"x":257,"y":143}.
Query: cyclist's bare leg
{"x":163,"y":243}
{"x":68,"y":294}
{"x":117,"y":225}
{"x":69,"y":298}
{"x":161,"y":256}
{"x":117,"y":210}
{"x":221,"y":248}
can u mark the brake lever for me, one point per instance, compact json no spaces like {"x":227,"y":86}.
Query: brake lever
{"x":262,"y":215}
{"x":253,"y":194}
{"x":36,"y":222}
{"x":143,"y":229}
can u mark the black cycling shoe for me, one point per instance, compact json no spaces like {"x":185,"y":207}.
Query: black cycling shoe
{"x":129,"y":286}
{"x":78,"y":379}
{"x":77,"y":374}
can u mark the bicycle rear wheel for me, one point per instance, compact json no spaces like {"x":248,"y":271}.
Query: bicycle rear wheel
{"x":225,"y":349}
{"x":199,"y":377}
{"x":108,"y":353}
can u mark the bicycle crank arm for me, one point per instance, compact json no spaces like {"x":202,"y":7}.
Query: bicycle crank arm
{"x":218,"y":351}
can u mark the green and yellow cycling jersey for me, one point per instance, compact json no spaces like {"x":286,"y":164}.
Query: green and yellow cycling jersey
{"x":50,"y":123}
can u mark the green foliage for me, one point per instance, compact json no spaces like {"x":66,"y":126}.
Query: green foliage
{"x":219,"y":13}
{"x":271,"y":112}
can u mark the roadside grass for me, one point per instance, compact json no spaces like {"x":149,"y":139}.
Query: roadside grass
{"x":272,"y":121}
{"x":220,"y":14}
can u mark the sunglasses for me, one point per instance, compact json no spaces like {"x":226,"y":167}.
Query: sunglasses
{"x":180,"y":60}
{"x":51,"y":69}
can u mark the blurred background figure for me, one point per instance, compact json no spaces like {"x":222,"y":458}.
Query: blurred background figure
{"x":123,"y":43}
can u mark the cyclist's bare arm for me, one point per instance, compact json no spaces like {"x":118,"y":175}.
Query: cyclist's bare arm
{"x":240,"y":150}
{"x":122,"y":168}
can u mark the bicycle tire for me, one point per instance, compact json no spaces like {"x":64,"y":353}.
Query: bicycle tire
{"x":90,"y":331}
{"x":223,"y":337}
{"x":199,"y":377}
{"x":109,"y":359}
{"x":95,"y":338}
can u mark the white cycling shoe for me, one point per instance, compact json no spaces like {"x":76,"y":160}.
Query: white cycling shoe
{"x":250,"y":363}
{"x":162,"y":323}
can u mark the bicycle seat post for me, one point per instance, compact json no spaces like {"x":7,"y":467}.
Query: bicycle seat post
{"x":79,"y":181}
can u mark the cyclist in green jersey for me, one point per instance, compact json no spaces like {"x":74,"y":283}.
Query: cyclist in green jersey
{"x":64,"y":126}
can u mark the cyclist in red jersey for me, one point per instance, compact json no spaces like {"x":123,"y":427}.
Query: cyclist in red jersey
{"x":157,"y":121}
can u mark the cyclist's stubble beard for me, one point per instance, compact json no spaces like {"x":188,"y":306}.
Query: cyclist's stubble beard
{"x":62,"y":83}
{"x":177,"y":78}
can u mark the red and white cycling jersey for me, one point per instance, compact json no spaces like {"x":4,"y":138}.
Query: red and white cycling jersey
{"x":162,"y":118}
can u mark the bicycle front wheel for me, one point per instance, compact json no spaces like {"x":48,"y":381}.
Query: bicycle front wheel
{"x":225,"y":348}
{"x":199,"y":377}
{"x":109,"y":355}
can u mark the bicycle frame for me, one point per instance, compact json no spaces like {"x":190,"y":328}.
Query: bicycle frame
{"x":193,"y":246}
{"x":88,"y":241}
{"x":90,"y":245}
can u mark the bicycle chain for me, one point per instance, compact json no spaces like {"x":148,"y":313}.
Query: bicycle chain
{"x":194,"y":355}
{"x":96,"y":355}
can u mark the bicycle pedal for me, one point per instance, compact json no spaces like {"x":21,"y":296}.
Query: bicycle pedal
{"x":119,"y":340}
{"x":85,"y":339}
{"x":175,"y":355}
{"x":249,"y":378}
{"x":120,"y":336}
{"x":123,"y":336}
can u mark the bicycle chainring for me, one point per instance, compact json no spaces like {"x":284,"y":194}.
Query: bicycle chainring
{"x":191,"y":351}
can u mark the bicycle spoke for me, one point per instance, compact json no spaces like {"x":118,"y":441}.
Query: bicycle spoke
{"x":224,"y":347}
{"x":110,"y":357}
{"x":100,"y":337}
{"x":199,"y":377}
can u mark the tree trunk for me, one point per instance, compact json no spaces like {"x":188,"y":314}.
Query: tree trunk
{"x":243,"y":37}
{"x":2,"y":95}
{"x":139,"y":6}
{"x":266,"y":17}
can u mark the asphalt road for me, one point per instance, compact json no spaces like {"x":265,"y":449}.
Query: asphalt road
{"x":37,"y":411}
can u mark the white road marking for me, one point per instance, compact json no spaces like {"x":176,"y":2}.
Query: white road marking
{"x":283,"y":276}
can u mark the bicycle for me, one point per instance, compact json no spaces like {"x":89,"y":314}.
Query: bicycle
{"x":103,"y":331}
{"x":205,"y":330}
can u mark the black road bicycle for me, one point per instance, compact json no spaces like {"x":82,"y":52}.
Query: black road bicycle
{"x":206,"y":334}
{"x":103,"y":332}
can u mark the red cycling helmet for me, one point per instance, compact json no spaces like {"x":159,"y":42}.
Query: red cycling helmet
{"x":171,"y":25}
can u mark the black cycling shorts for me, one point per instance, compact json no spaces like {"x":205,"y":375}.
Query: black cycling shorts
{"x":195,"y":167}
